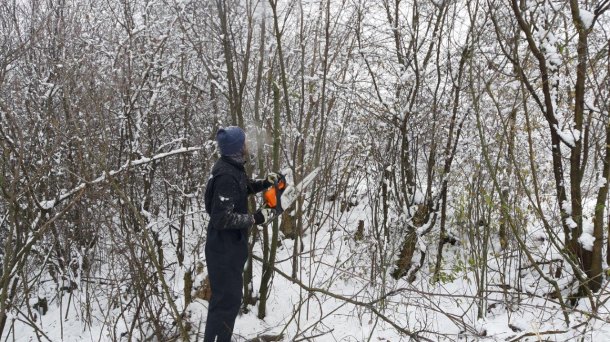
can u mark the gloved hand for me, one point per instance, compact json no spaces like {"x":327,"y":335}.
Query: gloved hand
{"x":264,"y":215}
{"x":273,"y":177}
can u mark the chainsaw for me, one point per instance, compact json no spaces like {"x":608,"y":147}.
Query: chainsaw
{"x":281,"y":195}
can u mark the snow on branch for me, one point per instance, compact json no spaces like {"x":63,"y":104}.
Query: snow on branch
{"x":569,"y":138}
{"x":4,"y":112}
{"x":47,"y":205}
{"x":587,"y":18}
{"x":602,"y":7}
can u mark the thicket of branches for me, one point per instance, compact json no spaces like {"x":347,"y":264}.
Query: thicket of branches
{"x":477,"y":123}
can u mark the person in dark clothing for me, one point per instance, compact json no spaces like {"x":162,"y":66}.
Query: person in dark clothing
{"x":226,"y":248}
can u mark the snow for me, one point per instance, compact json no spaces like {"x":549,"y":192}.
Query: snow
{"x":587,"y":18}
{"x":601,"y":182}
{"x":586,"y":240}
{"x":334,"y":276}
{"x":571,"y":223}
{"x":591,"y":106}
{"x":568,"y":138}
{"x":341,"y":280}
{"x":418,"y":197}
{"x":46,"y":205}
{"x":565,"y":205}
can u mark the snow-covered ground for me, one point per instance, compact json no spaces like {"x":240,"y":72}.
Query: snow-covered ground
{"x":339,"y":285}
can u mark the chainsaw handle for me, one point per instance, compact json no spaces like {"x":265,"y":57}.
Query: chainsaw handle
{"x":271,"y":196}
{"x":281,"y":182}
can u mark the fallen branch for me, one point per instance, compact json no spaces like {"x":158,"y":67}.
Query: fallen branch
{"x":369,"y":306}
{"x":539,"y":333}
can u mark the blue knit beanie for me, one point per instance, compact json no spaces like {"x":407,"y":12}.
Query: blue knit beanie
{"x":230,"y":140}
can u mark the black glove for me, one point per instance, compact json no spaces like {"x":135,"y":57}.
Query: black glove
{"x":264,"y":215}
{"x":272,"y":178}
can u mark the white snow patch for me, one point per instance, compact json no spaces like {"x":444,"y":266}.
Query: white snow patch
{"x":571,"y":223}
{"x":554,"y":59}
{"x":587,"y":18}
{"x":418,"y":197}
{"x":570,"y":137}
{"x":422,"y":245}
{"x":586,"y":241}
{"x":601,"y":182}
{"x":46,"y":205}
{"x":555,"y":6}
{"x":587,"y":227}
{"x":565,"y":205}
{"x":591,"y":106}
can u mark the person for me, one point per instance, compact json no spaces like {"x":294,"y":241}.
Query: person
{"x":226,"y":248}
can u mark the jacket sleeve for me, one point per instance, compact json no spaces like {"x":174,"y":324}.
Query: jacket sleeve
{"x":257,"y":185}
{"x":223,"y":215}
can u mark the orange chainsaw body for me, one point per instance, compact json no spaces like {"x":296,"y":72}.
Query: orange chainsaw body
{"x":272,"y":195}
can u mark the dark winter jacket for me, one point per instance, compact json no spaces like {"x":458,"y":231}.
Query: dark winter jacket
{"x":226,"y":196}
{"x":226,"y":248}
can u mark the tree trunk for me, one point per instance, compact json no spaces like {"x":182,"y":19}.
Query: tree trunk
{"x":248,"y":294}
{"x":270,"y":258}
{"x":409,"y":246}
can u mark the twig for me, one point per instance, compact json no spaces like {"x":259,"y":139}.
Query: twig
{"x":31,"y":323}
{"x":539,"y":333}
{"x":409,"y":333}
{"x":129,"y":164}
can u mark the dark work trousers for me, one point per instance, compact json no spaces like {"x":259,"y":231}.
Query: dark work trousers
{"x":226,"y":253}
